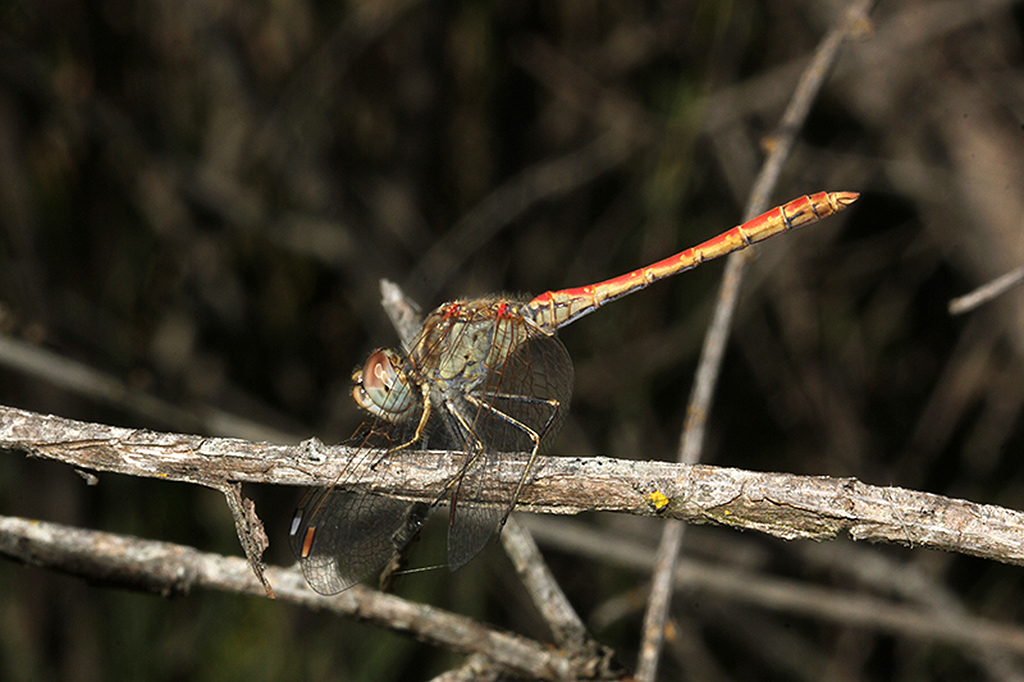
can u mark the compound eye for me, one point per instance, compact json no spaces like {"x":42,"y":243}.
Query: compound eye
{"x":378,"y":372}
{"x":382,"y":389}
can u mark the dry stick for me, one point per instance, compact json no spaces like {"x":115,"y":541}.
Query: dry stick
{"x":87,"y":381}
{"x":87,"y":555}
{"x":545,"y":180}
{"x":986,"y":292}
{"x":714,"y":342}
{"x":405,"y":315}
{"x":842,"y":607}
{"x":934,"y":601}
{"x":780,"y":504}
{"x":565,"y":624}
{"x":785,"y":505}
{"x":169,"y":569}
{"x":904,"y":32}
{"x":476,"y":668}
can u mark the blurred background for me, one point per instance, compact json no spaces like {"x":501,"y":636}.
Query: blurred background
{"x":198,"y":200}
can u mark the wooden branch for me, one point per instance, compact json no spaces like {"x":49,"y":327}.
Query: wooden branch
{"x":567,"y":628}
{"x":783,"y":505}
{"x":167,"y":569}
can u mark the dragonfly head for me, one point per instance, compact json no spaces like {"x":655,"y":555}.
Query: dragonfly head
{"x":383,"y":389}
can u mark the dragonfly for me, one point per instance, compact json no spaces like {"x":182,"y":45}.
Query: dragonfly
{"x":484,"y":379}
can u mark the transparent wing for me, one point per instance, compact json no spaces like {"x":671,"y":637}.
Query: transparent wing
{"x":518,"y":409}
{"x":340,"y":537}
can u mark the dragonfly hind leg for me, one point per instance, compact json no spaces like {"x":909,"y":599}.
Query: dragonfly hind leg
{"x":472,"y":525}
{"x":536,"y":437}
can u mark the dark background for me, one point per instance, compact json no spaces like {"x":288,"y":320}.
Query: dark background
{"x":199,"y":199}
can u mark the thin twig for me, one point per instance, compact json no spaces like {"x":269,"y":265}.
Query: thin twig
{"x":909,"y":30}
{"x":788,"y":596}
{"x":708,"y":370}
{"x":566,"y":626}
{"x":542,"y":181}
{"x":89,"y":382}
{"x":169,"y":569}
{"x":987,"y":292}
{"x":476,"y":668}
{"x":908,"y":582}
{"x":405,"y":314}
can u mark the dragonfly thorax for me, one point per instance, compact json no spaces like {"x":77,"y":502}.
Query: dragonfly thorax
{"x":462,"y":341}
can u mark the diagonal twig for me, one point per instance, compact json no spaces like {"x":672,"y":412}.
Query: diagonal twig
{"x":77,"y":377}
{"x":986,"y":292}
{"x":692,"y":440}
{"x":566,"y":626}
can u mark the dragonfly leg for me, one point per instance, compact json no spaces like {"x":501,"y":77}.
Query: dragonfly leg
{"x":535,"y":437}
{"x":417,"y":434}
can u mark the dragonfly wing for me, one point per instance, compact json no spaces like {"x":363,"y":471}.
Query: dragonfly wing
{"x":516,"y":410}
{"x":341,"y":537}
{"x":471,"y":525}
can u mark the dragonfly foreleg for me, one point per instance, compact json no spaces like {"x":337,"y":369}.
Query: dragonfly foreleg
{"x":417,"y":434}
